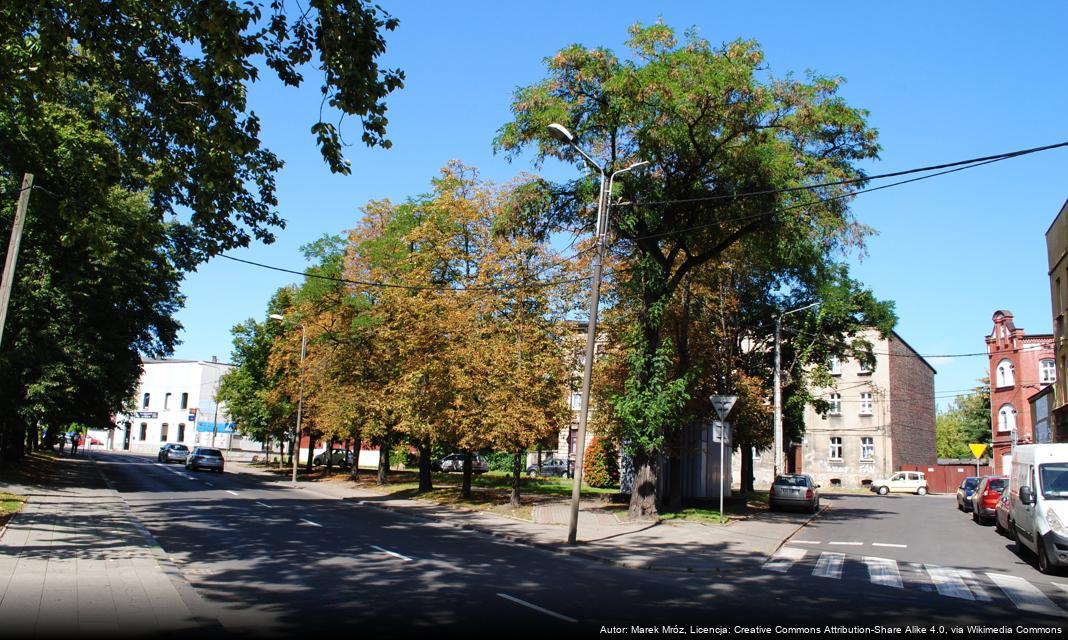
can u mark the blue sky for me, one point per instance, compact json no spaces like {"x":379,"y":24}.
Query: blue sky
{"x":943,"y":82}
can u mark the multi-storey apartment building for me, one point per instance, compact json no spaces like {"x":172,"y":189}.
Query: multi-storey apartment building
{"x":1057,"y":258}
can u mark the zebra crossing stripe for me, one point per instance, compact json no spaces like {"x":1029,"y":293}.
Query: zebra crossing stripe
{"x":829,"y":565}
{"x":948,"y":582}
{"x":783,"y":559}
{"x":1061,"y":586}
{"x":976,"y":586}
{"x":883,"y":571}
{"x":1025,"y":595}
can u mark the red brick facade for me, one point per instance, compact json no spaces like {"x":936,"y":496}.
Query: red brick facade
{"x":1016,"y":374}
{"x":912,"y":411}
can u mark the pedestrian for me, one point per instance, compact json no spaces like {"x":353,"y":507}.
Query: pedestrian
{"x":75,"y":440}
{"x":62,"y":442}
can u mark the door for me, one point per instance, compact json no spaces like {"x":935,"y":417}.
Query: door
{"x":126,"y":437}
{"x":897,"y":482}
{"x":1025,"y":517}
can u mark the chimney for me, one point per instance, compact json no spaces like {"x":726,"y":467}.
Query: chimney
{"x":215,"y":359}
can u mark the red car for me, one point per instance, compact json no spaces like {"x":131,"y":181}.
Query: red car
{"x":985,"y":499}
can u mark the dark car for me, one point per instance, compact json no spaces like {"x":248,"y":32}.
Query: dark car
{"x":338,"y":457}
{"x":1003,"y":513}
{"x":794,"y":490}
{"x":455,"y":462}
{"x":173,"y":453}
{"x":205,"y":458}
{"x":986,"y":497}
{"x":553,"y":467}
{"x":965,"y":491}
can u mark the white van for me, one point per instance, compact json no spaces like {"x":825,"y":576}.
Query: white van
{"x":1039,"y":494}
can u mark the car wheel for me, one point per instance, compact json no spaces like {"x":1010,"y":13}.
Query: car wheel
{"x":771,"y":505}
{"x":922,"y":491}
{"x":532,"y":473}
{"x":960,"y":505}
{"x":816,"y":507}
{"x":1043,"y":560}
{"x":975,"y":518}
{"x":884,"y":490}
{"x":1021,"y":549}
{"x":1012,"y":530}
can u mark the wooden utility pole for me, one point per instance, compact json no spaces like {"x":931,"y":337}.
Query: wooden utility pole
{"x":8,"y":280}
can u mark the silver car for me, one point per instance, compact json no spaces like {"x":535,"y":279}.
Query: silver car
{"x":794,"y":490}
{"x":205,"y":458}
{"x":172,"y":452}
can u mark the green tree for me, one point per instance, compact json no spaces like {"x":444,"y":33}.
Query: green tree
{"x":714,"y":125}
{"x":966,"y":421}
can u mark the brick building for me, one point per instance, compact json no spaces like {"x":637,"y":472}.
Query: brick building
{"x":1020,"y":366}
{"x":1057,"y":259}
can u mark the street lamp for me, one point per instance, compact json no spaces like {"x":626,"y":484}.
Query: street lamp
{"x":561,"y":133}
{"x":777,"y":453}
{"x":295,"y":448}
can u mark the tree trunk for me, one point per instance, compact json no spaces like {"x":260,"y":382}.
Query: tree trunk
{"x":643,"y":497}
{"x":383,"y":463}
{"x":517,"y":468}
{"x":746,"y":481}
{"x":354,"y":472}
{"x":465,"y":487}
{"x":282,"y":451}
{"x":330,"y":456}
{"x":426,"y":483}
{"x":311,"y":450}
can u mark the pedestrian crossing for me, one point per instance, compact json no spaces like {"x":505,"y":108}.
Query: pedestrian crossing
{"x":947,"y":582}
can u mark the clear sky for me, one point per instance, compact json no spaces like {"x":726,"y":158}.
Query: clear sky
{"x":943,"y":81}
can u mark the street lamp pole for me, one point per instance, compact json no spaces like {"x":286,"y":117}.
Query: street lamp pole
{"x":777,"y":452}
{"x":561,"y":133}
{"x":294,"y":449}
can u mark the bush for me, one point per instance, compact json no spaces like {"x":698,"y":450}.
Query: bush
{"x":600,"y":467}
{"x":499,"y":461}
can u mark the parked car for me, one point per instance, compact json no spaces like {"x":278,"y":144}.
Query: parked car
{"x":1039,"y":493}
{"x":173,"y":453}
{"x":205,"y":458}
{"x":965,"y":492}
{"x":901,"y":482}
{"x":553,"y":467}
{"x":1003,"y":512}
{"x":985,"y":499}
{"x":337,"y":457}
{"x":455,"y":462}
{"x":794,"y":490}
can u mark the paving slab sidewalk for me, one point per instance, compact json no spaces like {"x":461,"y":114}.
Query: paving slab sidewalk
{"x":76,"y":562}
{"x":664,"y":546}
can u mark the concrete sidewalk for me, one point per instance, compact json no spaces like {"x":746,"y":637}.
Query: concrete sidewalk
{"x":76,"y":562}
{"x":665,"y":546}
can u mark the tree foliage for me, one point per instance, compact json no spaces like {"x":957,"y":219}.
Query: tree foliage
{"x":966,"y":421}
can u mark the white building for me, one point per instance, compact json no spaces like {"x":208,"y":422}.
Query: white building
{"x":175,"y":402}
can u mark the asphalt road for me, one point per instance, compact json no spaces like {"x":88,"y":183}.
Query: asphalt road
{"x":271,"y":560}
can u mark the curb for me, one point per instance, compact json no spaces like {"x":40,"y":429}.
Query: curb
{"x":804,"y":524}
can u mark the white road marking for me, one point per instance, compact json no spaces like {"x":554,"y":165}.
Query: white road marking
{"x":265,"y":505}
{"x":233,"y":493}
{"x":209,"y":484}
{"x":536,"y":608}
{"x":948,"y":582}
{"x":1061,"y":586}
{"x":1025,"y":595}
{"x":314,"y":524}
{"x":829,"y":565}
{"x":883,"y":572}
{"x":976,"y":585}
{"x":887,"y":544}
{"x":783,"y":559}
{"x":805,"y":542}
{"x":393,"y":553}
{"x":851,"y":544}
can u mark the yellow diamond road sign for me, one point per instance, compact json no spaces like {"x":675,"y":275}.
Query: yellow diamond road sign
{"x":977,"y":450}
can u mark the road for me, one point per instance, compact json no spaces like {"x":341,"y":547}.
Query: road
{"x":271,"y":560}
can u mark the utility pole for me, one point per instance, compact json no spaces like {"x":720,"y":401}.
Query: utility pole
{"x":8,"y":280}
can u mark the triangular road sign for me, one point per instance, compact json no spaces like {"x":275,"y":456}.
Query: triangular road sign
{"x":723,"y":405}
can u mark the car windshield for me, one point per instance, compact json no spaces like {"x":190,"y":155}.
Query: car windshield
{"x":970,"y":483}
{"x":792,"y":481}
{"x":179,"y":447}
{"x":996,"y":484}
{"x":1054,"y":480}
{"x":210,"y":453}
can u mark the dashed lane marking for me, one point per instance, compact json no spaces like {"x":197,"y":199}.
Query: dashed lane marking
{"x":265,"y":505}
{"x":314,"y":524}
{"x":891,"y":545}
{"x":535,"y":607}
{"x":805,"y":542}
{"x":393,"y":553}
{"x":848,"y":544}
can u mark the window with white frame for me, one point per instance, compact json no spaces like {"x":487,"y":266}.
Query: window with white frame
{"x":836,"y":404}
{"x":756,"y":453}
{"x":865,"y":367}
{"x":1006,"y":417}
{"x":1006,"y":374}
{"x":865,"y":403}
{"x":166,"y":401}
{"x":836,"y":448}
{"x":576,"y":400}
{"x":1047,"y":371}
{"x":185,"y":401}
{"x":867,"y":448}
{"x":835,"y":366}
{"x":145,"y":399}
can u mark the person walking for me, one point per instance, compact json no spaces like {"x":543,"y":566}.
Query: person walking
{"x":75,"y":440}
{"x":62,"y":442}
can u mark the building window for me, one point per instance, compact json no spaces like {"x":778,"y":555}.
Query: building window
{"x":166,"y":401}
{"x":576,"y":400}
{"x":867,"y":448}
{"x":144,"y":431}
{"x":181,"y":432}
{"x":1047,"y":372}
{"x":144,"y":400}
{"x":1006,"y":418}
{"x":836,"y":404}
{"x":865,"y":367}
{"x":836,"y":366}
{"x":1006,"y":374}
{"x":836,"y":448}
{"x":163,"y":431}
{"x":756,"y":453}
{"x":865,"y":403}
{"x":185,"y":401}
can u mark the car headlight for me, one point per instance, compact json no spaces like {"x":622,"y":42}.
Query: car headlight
{"x":1054,"y":522}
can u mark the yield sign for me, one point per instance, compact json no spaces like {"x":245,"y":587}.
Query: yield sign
{"x":977,"y":450}
{"x":723,"y":405}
